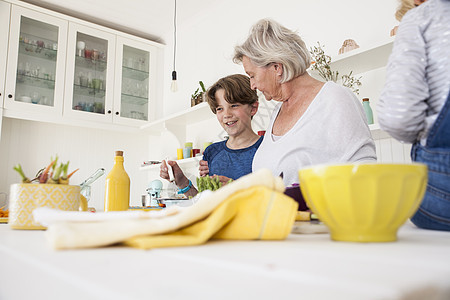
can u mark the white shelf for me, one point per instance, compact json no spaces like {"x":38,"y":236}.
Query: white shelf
{"x":362,"y":59}
{"x":187,"y":117}
{"x":183,"y":163}
{"x":377,"y":132}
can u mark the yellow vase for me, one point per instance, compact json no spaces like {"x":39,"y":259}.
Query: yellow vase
{"x":117,"y":187}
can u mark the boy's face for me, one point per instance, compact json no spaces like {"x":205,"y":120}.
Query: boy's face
{"x":235,"y":118}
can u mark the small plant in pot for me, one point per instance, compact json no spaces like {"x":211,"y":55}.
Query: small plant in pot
{"x":197,"y":96}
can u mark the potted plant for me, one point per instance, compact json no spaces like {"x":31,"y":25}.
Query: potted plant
{"x":322,"y":64}
{"x":198,"y":96}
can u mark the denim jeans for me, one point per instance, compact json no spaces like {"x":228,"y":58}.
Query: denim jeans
{"x":434,"y":211}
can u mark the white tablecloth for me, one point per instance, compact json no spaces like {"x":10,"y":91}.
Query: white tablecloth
{"x":305,"y":266}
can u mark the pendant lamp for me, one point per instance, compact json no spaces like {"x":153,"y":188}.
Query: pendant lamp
{"x":174,"y":85}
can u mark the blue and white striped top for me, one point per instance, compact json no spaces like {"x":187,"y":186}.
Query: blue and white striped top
{"x":418,"y":73}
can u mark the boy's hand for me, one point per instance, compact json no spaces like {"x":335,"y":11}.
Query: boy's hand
{"x":223,"y":179}
{"x":180,"y":179}
{"x":203,"y":168}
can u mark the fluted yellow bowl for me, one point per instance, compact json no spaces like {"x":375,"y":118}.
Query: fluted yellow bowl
{"x":364,"y":202}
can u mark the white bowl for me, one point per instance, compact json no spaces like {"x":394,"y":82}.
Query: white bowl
{"x":25,"y":99}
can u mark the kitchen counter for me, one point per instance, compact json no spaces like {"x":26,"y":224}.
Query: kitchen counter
{"x":305,"y":266}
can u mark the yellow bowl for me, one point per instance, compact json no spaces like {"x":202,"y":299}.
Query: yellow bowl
{"x":364,"y":202}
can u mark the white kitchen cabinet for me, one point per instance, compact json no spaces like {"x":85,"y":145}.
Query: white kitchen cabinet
{"x":135,"y":85}
{"x":108,"y":83}
{"x":89,"y":90}
{"x":35,"y":65}
{"x":109,"y":78}
{"x":4,"y":36}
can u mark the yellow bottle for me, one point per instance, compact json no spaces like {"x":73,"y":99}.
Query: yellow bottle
{"x":117,"y":187}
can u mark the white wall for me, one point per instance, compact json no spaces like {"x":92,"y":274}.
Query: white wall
{"x":206,"y":41}
{"x":32,"y":144}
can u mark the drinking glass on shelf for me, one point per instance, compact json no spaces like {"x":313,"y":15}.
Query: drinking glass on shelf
{"x":80,"y":48}
{"x":102,"y":56}
{"x":95,"y":54}
{"x":35,"y":98}
{"x":44,"y":100}
{"x":35,"y":72}
{"x":88,"y":53}
{"x":83,"y":80}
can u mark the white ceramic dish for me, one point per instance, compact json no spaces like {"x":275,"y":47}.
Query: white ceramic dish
{"x":25,"y":99}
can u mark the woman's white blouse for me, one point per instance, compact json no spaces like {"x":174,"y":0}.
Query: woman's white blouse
{"x":333,"y":129}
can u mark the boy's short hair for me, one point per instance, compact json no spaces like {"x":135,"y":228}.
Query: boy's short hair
{"x":237,"y":90}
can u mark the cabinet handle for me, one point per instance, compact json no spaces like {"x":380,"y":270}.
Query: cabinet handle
{"x":109,"y":111}
{"x":117,"y":113}
{"x":10,"y":96}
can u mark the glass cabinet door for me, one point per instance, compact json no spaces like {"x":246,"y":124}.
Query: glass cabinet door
{"x":133,"y":81}
{"x":35,"y":72}
{"x":90,"y":73}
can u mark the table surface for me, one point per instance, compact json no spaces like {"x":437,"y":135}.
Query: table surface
{"x":307,"y":266}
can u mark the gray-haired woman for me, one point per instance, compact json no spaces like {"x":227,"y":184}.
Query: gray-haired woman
{"x":314,"y":122}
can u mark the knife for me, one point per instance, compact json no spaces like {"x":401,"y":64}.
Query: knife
{"x":170,"y":170}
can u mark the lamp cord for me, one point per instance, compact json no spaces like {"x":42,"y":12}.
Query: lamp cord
{"x":174,"y":34}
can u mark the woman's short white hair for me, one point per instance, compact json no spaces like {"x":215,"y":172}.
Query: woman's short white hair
{"x":270,"y":42}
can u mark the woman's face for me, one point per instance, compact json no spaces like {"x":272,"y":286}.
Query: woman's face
{"x":235,"y":118}
{"x":265,"y":79}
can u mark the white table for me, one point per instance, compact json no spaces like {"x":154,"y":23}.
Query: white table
{"x":305,"y":266}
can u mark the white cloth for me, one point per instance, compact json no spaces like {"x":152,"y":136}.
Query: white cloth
{"x":332,"y":130}
{"x":80,"y":231}
{"x":418,"y":73}
{"x":48,"y":216}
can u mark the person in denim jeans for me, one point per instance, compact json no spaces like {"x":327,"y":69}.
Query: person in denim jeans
{"x":414,"y":104}
{"x":434,"y":211}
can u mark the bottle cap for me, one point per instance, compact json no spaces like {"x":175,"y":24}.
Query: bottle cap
{"x":365,"y":99}
{"x":119,"y":153}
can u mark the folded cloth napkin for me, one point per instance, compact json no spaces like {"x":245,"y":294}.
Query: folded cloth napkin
{"x":67,"y":234}
{"x":256,"y":213}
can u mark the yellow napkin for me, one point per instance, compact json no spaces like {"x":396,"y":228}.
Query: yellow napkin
{"x":70,"y":235}
{"x":252,"y":214}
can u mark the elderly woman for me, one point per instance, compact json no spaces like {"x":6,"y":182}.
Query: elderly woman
{"x":314,"y":122}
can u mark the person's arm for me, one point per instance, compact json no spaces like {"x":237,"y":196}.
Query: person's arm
{"x":401,"y":110}
{"x":181,"y":181}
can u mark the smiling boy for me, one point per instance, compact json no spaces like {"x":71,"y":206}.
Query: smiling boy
{"x":234,"y":103}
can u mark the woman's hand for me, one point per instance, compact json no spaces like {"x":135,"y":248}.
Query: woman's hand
{"x":203,"y":168}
